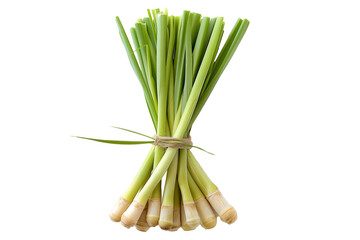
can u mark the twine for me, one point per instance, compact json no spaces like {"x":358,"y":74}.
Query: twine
{"x":170,"y":142}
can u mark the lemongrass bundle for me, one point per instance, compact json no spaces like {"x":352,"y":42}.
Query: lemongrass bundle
{"x":177,"y":63}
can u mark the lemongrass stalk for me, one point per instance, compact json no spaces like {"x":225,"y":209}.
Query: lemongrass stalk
{"x":213,"y":61}
{"x":200,"y":177}
{"x":131,"y":215}
{"x":149,"y":30}
{"x":138,"y":52}
{"x":151,"y":81}
{"x":136,"y":68}
{"x":226,"y":212}
{"x":195,"y":25}
{"x":191,"y":214}
{"x":162,"y":90}
{"x":207,"y":216}
{"x":145,"y":62}
{"x":151,"y":48}
{"x":139,"y":180}
{"x":144,"y":41}
{"x":139,"y":43}
{"x":200,"y":45}
{"x":177,"y":119}
{"x":210,"y":30}
{"x":155,"y":12}
{"x":178,"y":20}
{"x":152,"y":28}
{"x":228,"y":42}
{"x":176,"y":23}
{"x":167,"y":208}
{"x":188,"y":63}
{"x":182,"y":177}
{"x":177,"y":211}
{"x":171,"y":107}
{"x":147,"y":23}
{"x":170,"y":73}
{"x":195,"y":190}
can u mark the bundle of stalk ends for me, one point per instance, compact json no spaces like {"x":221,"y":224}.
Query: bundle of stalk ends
{"x":177,"y":62}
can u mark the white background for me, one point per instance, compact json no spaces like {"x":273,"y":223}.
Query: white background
{"x":284,"y":119}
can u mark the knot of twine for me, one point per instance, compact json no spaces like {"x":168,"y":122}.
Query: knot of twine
{"x":170,"y":142}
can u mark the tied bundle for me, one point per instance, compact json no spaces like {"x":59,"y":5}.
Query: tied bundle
{"x":178,"y":65}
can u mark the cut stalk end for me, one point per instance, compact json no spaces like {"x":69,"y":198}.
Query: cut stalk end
{"x":166,"y":217}
{"x":226,"y":212}
{"x":142,"y":224}
{"x":208,"y":219}
{"x":192,"y":218}
{"x":184,"y":225}
{"x":153,"y":213}
{"x":131,"y":216}
{"x":176,"y":220}
{"x":118,"y":209}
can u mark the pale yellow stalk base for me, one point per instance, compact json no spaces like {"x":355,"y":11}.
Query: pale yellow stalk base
{"x":153,"y":213}
{"x":131,"y":216}
{"x":166,"y":217}
{"x":176,"y":220}
{"x":208,"y":219}
{"x":184,"y":226}
{"x":118,"y":209}
{"x":142,"y":224}
{"x":226,"y":212}
{"x":189,"y":216}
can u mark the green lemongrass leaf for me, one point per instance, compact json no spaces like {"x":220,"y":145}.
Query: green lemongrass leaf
{"x":188,"y":63}
{"x":138,"y":53}
{"x":149,"y":30}
{"x":212,"y":63}
{"x":148,"y":42}
{"x":219,"y":70}
{"x":142,"y":42}
{"x":150,"y":78}
{"x":209,"y":32}
{"x":152,"y":28}
{"x":136,"y":68}
{"x":200,"y":45}
{"x":155,"y":12}
{"x":145,"y":40}
{"x":116,"y":141}
{"x":228,"y":43}
{"x":195,"y":25}
{"x":194,"y":96}
{"x":178,"y":21}
{"x":221,"y":65}
{"x":180,"y":61}
{"x":176,"y":25}
{"x":128,"y":130}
